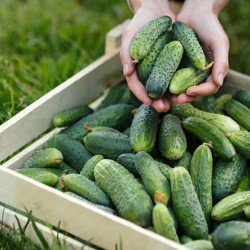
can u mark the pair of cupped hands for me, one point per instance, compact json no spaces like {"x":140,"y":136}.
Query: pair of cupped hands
{"x":212,"y":36}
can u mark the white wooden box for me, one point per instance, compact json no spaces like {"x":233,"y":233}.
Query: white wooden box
{"x":48,"y":204}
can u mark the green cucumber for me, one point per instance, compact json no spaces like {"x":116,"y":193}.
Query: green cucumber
{"x":154,"y":181}
{"x":184,"y":161}
{"x":164,"y":69}
{"x":69,"y":116}
{"x":199,"y":245}
{"x":189,"y":41}
{"x":165,"y":169}
{"x":186,"y":204}
{"x":246,"y":210}
{"x":89,"y":129}
{"x":127,"y":131}
{"x":173,"y":217}
{"x":67,"y":169}
{"x":184,"y":239}
{"x":231,"y":207}
{"x":201,"y":175}
{"x":144,"y":128}
{"x":227,"y":176}
{"x":147,"y":36}
{"x":35,"y":171}
{"x":220,"y":101}
{"x":126,"y":193}
{"x":207,"y":132}
{"x":208,"y":104}
{"x":243,"y":96}
{"x":127,"y":161}
{"x":244,"y":184}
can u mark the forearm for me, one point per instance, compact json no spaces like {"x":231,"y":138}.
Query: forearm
{"x":148,"y":4}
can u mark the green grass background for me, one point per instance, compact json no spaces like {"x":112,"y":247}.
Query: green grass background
{"x":44,"y":42}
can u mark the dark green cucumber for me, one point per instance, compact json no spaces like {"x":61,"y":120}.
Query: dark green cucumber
{"x":74,"y":153}
{"x":184,"y":239}
{"x":199,"y":245}
{"x":244,"y":184}
{"x":189,"y":41}
{"x":67,"y":169}
{"x":84,"y":187}
{"x":209,"y":133}
{"x":44,"y":158}
{"x":171,"y":140}
{"x":108,"y":144}
{"x":232,"y":235}
{"x":231,"y":207}
{"x":89,"y":129}
{"x":144,"y":128}
{"x":186,"y":204}
{"x":127,"y":160}
{"x":163,"y":222}
{"x":117,"y":116}
{"x":154,"y":181}
{"x":35,"y":171}
{"x":184,"y":161}
{"x":126,"y":193}
{"x":220,"y":101}
{"x":208,"y":104}
{"x":243,"y":96}
{"x":239,"y":112}
{"x":69,"y":116}
{"x":201,"y":175}
{"x":147,"y":36}
{"x":88,"y":168}
{"x":164,"y":69}
{"x":145,"y":66}
{"x":127,"y":131}
{"x":246,"y":210}
{"x":227,"y":176}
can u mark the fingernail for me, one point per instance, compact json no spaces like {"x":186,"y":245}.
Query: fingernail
{"x":125,"y":69}
{"x":220,"y":79}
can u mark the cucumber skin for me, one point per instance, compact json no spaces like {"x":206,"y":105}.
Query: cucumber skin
{"x":243,"y":96}
{"x":126,"y":193}
{"x":172,"y":141}
{"x":127,"y":161}
{"x":231,"y":207}
{"x":30,"y":172}
{"x":199,"y":245}
{"x":165,"y":169}
{"x":207,"y":132}
{"x":227,"y":176}
{"x":164,"y":69}
{"x":244,"y":184}
{"x":189,"y":41}
{"x":144,"y":128}
{"x":147,"y":35}
{"x":208,"y":104}
{"x":184,"y":239}
{"x":66,"y":168}
{"x":184,"y":161}
{"x":247,"y":211}
{"x":201,"y":175}
{"x":186,"y":204}
{"x":101,"y":128}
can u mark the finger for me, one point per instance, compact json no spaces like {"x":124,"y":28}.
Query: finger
{"x":159,"y":105}
{"x":183,"y":98}
{"x":167,"y":104}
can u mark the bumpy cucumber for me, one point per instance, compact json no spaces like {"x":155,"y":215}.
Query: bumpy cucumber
{"x":231,"y":207}
{"x":184,"y":161}
{"x":127,"y":160}
{"x":186,"y":204}
{"x":67,"y":169}
{"x":189,"y":41}
{"x":108,"y":144}
{"x":201,"y":175}
{"x":207,"y":132}
{"x":44,"y":158}
{"x":117,"y":116}
{"x":232,"y":235}
{"x":144,"y":128}
{"x":88,"y":168}
{"x":89,"y":129}
{"x":220,"y":101}
{"x":147,"y":36}
{"x":199,"y":245}
{"x":164,"y":69}
{"x":35,"y":171}
{"x":163,"y":222}
{"x":244,"y":184}
{"x":70,"y":116}
{"x":127,"y":194}
{"x":239,"y":112}
{"x":224,"y":123}
{"x":243,"y":96}
{"x":171,"y":140}
{"x":145,"y":66}
{"x":165,"y":169}
{"x":154,"y":181}
{"x":75,"y":154}
{"x":227,"y":176}
{"x":84,"y":187}
{"x":246,"y":210}
{"x":208,"y":104}
{"x":184,"y":239}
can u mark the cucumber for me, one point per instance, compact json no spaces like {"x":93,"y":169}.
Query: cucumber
{"x":84,"y":187}
{"x":74,"y":153}
{"x":30,"y":172}
{"x":173,"y":217}
{"x":208,"y":104}
{"x":207,"y":132}
{"x":66,"y":169}
{"x":117,"y":116}
{"x":220,"y":101}
{"x":108,"y":144}
{"x":68,"y":117}
{"x":184,"y":161}
{"x":231,"y":207}
{"x":88,"y":129}
{"x":184,"y":239}
{"x":145,"y":66}
{"x":165,"y":169}
{"x":44,"y":158}
{"x":127,"y":161}
{"x":88,"y":168}
{"x":199,"y":245}
{"x":222,"y":122}
{"x":144,"y":129}
{"x":239,"y":112}
{"x":201,"y":175}
{"x":171,"y":140}
{"x":154,"y":181}
{"x":244,"y":184}
{"x":127,"y":131}
{"x":163,"y":222}
{"x":232,"y":235}
{"x":186,"y":204}
{"x":246,"y":210}
{"x":164,"y":69}
{"x":227,"y":176}
{"x":189,"y":41}
{"x":243,"y":96}
{"x":126,"y":193}
{"x":147,"y":36}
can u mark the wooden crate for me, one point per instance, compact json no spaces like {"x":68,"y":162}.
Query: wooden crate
{"x":51,"y":205}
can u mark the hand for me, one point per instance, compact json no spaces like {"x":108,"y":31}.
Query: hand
{"x":150,"y":10}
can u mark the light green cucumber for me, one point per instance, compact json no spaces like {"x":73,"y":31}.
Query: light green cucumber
{"x":246,"y":210}
{"x":89,"y":129}
{"x":127,"y":160}
{"x":199,"y":245}
{"x":244,"y":184}
{"x":35,"y":171}
{"x":220,"y":101}
{"x":243,"y":96}
{"x":184,"y":161}
{"x":165,"y":169}
{"x":184,"y":239}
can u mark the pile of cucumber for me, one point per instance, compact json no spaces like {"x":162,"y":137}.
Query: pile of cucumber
{"x":183,"y":174}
